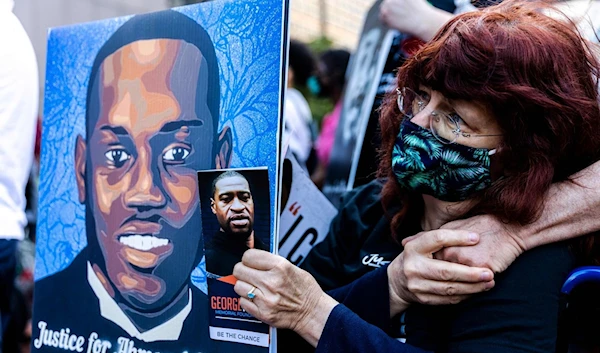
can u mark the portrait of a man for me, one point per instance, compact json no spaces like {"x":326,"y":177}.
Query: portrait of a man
{"x":151,"y":123}
{"x":233,"y":205}
{"x":134,"y":107}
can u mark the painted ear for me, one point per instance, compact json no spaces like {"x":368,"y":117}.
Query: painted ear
{"x":224,"y":148}
{"x":80,"y":159}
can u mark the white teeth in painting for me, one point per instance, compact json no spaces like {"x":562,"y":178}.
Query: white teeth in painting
{"x":143,"y":242}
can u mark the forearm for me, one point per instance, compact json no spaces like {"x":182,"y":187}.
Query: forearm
{"x":435,"y":19}
{"x":571,"y":210}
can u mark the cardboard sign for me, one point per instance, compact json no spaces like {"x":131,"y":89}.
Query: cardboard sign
{"x":305,"y":215}
{"x":364,"y":73}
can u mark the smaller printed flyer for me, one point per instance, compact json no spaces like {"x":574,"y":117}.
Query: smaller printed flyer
{"x":236,"y":216}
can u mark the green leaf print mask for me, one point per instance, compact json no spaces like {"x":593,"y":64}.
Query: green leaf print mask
{"x":448,"y":172}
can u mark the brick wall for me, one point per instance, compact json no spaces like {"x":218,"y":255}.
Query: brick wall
{"x":343,"y":20}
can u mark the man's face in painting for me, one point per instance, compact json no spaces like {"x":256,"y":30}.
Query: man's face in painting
{"x":233,"y":205}
{"x":150,"y":137}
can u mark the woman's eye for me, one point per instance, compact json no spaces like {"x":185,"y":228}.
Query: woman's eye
{"x":421,"y":101}
{"x":176,"y":154}
{"x":117,"y":157}
{"x":456,"y":119}
{"x":424,"y":95}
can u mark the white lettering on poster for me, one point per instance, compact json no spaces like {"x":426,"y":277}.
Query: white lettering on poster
{"x":64,"y":339}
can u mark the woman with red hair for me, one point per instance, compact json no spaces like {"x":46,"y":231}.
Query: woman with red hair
{"x":501,"y":103}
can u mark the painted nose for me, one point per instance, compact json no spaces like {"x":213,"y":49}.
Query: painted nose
{"x":144,"y":191}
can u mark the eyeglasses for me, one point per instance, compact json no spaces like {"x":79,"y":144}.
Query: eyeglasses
{"x":446,"y":127}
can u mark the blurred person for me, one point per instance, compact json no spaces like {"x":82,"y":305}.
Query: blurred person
{"x":233,"y":205}
{"x":329,"y":83}
{"x":297,"y":115}
{"x":454,"y":146}
{"x":19,"y":94}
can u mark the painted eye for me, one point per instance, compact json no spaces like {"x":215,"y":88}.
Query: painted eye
{"x":176,"y":154}
{"x":117,"y":157}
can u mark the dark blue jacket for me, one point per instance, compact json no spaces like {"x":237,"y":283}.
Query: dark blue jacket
{"x":518,"y":315}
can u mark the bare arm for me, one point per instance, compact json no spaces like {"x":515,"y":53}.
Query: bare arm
{"x":571,"y":210}
{"x":416,"y":17}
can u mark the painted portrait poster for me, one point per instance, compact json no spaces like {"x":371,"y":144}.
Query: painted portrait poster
{"x":235,"y":218}
{"x":134,"y":107}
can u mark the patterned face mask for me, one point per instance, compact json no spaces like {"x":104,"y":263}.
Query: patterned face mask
{"x":448,"y":172}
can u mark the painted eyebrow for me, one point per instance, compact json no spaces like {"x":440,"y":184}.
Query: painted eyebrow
{"x":117,"y":130}
{"x":176,"y":125}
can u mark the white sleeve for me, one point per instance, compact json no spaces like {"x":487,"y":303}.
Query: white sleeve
{"x":297,"y":118}
{"x":19,"y":94}
{"x":463,"y":6}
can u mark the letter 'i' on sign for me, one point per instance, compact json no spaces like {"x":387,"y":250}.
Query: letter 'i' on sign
{"x":135,"y":107}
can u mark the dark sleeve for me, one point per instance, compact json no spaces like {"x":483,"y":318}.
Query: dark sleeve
{"x":521,"y":313}
{"x":361,"y":321}
{"x":368,"y":297}
{"x":348,"y":333}
{"x":360,"y":211}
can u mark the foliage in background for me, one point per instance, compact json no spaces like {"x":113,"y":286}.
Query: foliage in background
{"x":321,"y":44}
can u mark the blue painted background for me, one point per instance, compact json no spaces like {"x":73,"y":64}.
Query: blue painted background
{"x":247,"y":36}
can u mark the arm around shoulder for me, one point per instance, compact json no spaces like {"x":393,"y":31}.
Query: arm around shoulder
{"x":571,"y":210}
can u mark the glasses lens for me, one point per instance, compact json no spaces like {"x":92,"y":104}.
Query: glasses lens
{"x":443,"y":127}
{"x":409,"y":102}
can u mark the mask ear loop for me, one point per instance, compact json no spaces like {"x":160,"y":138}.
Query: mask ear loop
{"x":496,"y":166}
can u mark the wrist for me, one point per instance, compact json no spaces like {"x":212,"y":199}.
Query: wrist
{"x":522,"y":236}
{"x":311,"y":325}
{"x":397,"y":303}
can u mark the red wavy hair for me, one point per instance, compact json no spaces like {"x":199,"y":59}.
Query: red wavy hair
{"x":540,"y":80}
